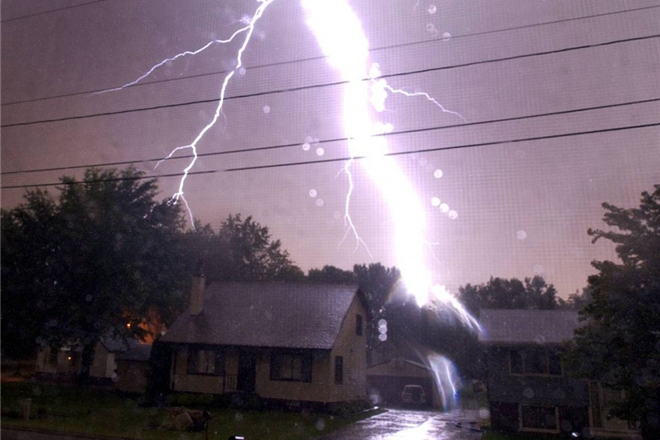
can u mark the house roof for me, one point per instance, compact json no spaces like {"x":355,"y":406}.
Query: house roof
{"x":118,"y":344}
{"x":139,"y":352}
{"x":287,"y":315}
{"x":510,"y":327}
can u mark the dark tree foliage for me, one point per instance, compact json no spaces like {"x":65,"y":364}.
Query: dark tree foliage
{"x":242,"y":250}
{"x":499,"y":293}
{"x":619,"y":344}
{"x":101,"y":256}
{"x":331,"y":274}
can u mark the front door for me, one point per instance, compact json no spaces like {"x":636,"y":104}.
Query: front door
{"x":247,"y":372}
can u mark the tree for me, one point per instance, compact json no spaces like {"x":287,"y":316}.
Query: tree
{"x":104,"y":255}
{"x":242,"y":250}
{"x":619,"y":343}
{"x":331,"y":274}
{"x":501,"y":293}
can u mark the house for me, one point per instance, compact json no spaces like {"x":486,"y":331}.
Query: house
{"x":291,"y":342}
{"x":528,"y":387}
{"x":65,"y":363}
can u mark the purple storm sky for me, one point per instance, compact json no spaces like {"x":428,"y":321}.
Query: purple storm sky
{"x":523,"y":207}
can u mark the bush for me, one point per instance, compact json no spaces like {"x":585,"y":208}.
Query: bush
{"x":348,"y":408}
{"x":189,"y":400}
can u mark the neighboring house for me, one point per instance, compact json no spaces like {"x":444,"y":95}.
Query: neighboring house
{"x":65,"y":363}
{"x":528,"y":387}
{"x":132,"y":368}
{"x":387,"y":380}
{"x":289,"y":342}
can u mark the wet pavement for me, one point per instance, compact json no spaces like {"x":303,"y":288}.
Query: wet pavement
{"x":401,"y":424}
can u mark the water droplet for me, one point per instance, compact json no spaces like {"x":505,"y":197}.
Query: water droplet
{"x":521,"y":235}
{"x":382,"y":337}
{"x":242,"y":71}
{"x":320,"y":424}
{"x":306,"y":146}
{"x":313,"y":193}
{"x":309,"y":139}
{"x":528,"y":392}
{"x":437,"y":173}
{"x":382,"y":329}
{"x":320,"y":151}
{"x":453,"y":215}
{"x":430,"y":28}
{"x":266,"y":109}
{"x":432,"y":9}
{"x":444,"y":208}
{"x":88,"y":298}
{"x":315,"y":140}
{"x":320,"y":202}
{"x":446,"y":36}
{"x":484,"y":413}
{"x":382,"y":322}
{"x":238,"y":417}
{"x":435,"y":201}
{"x":538,"y":269}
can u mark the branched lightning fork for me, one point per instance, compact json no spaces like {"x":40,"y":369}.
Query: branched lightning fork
{"x":248,"y":30}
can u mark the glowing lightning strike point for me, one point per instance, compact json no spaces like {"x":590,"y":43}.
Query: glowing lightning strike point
{"x":248,"y":30}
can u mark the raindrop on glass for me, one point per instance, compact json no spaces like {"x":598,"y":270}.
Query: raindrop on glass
{"x":238,"y":417}
{"x":320,"y":202}
{"x":437,"y":173}
{"x":538,"y":269}
{"x":484,"y":413}
{"x":266,"y":109}
{"x":242,"y":71}
{"x":320,"y":151}
{"x":313,"y":193}
{"x":306,"y":146}
{"x":430,"y":28}
{"x":444,"y":207}
{"x":309,"y":139}
{"x":528,"y":392}
{"x":521,"y":235}
{"x":432,"y":9}
{"x":388,"y":128}
{"x":320,"y":424}
{"x":382,"y":337}
{"x":435,"y":201}
{"x":88,"y":298}
{"x":382,"y":322}
{"x":453,"y":214}
{"x":446,"y":36}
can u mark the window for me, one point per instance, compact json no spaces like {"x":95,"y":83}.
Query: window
{"x":339,"y":369}
{"x":201,"y":361}
{"x":539,"y":418}
{"x":535,"y":362}
{"x":358,"y":325}
{"x":291,"y":366}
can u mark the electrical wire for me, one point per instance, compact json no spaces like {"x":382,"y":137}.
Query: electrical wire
{"x":344,"y":159}
{"x":331,"y":84}
{"x":332,"y":140}
{"x":50,"y":11}
{"x":321,"y":57}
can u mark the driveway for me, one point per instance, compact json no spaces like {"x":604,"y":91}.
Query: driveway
{"x":401,"y":424}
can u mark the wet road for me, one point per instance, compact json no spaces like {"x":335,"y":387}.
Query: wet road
{"x":399,"y":424}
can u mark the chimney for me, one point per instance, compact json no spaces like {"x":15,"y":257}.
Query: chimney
{"x":197,"y":291}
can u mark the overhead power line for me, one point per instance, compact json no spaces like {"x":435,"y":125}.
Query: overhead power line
{"x":333,"y":140}
{"x":50,"y":11}
{"x":331,"y":84}
{"x":344,"y":159}
{"x":321,"y":57}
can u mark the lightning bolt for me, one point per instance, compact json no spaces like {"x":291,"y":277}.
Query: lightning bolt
{"x":248,"y":30}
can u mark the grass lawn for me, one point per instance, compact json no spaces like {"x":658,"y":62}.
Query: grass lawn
{"x":103,"y":413}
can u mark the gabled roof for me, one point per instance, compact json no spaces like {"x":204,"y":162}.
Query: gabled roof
{"x":118,"y":344}
{"x":139,"y":352}
{"x":512,"y":327}
{"x":286,"y":315}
